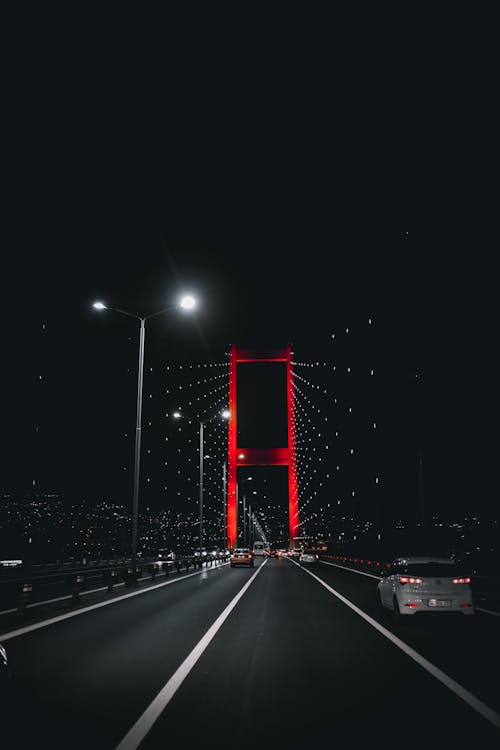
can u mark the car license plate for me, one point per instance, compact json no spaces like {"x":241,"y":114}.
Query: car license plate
{"x":439,"y":602}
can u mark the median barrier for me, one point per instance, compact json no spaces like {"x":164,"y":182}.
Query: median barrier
{"x":77,"y":587}
{"x":131,"y":575}
{"x":154,"y":569}
{"x":23,"y":598}
{"x":110,"y":577}
{"x":371,"y":566}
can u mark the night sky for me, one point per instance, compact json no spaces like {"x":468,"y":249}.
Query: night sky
{"x":289,"y":218}
{"x":72,"y":371}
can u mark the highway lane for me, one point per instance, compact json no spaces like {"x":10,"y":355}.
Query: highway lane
{"x":466,"y":648}
{"x":82,"y":680}
{"x":290,"y":663}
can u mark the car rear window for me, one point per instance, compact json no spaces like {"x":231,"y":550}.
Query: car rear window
{"x":433,"y":570}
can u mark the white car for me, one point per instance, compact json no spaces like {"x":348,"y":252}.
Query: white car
{"x":242,"y":556}
{"x":309,"y":557}
{"x":414,"y":585}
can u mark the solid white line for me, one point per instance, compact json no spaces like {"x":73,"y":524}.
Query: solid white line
{"x":143,"y":725}
{"x":352,"y":570}
{"x":488,"y":713}
{"x":488,"y":611}
{"x":60,"y":598}
{"x":8,"y":611}
{"x":378,"y":578}
{"x":44,"y":623}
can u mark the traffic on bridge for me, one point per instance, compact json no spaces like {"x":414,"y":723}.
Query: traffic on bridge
{"x":245,"y":655}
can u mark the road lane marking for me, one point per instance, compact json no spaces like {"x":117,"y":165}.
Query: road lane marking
{"x":62,"y":598}
{"x":486,"y":712}
{"x":352,"y":570}
{"x":143,"y":725}
{"x":488,"y":611}
{"x":378,"y":578}
{"x":44,"y":623}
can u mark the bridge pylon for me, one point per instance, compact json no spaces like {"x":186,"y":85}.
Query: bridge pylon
{"x":262,"y":456}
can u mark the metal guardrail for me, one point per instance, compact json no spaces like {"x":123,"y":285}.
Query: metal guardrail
{"x":21,"y":590}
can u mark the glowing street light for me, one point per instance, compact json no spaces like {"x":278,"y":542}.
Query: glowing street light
{"x":187,"y":302}
{"x":225,"y":414}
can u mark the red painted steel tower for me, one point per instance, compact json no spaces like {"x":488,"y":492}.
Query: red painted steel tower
{"x":282,"y":456}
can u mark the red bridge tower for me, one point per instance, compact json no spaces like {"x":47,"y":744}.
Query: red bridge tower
{"x":272,"y":456}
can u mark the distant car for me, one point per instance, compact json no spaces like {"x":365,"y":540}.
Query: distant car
{"x":242,"y":556}
{"x":259,"y":548}
{"x":166,"y":554}
{"x":432,"y":585}
{"x":203,"y":552}
{"x":294,"y":553}
{"x":309,"y":557}
{"x":213,"y":551}
{"x":4,"y":671}
{"x":281,"y":553}
{"x":273,"y":553}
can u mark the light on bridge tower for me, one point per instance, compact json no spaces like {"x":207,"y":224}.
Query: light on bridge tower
{"x":265,"y":456}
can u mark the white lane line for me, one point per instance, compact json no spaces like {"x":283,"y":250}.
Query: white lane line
{"x":61,"y":598}
{"x":44,"y":623}
{"x":8,"y":611}
{"x":143,"y":725}
{"x":488,"y":713}
{"x":352,"y":570}
{"x":378,"y":578}
{"x":488,"y":611}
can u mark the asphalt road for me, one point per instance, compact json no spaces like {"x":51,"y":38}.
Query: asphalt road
{"x":252,"y":657}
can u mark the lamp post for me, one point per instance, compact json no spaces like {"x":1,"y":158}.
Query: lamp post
{"x":225,"y":415}
{"x":251,"y":535}
{"x":224,"y":505}
{"x":186,"y":303}
{"x":248,"y":479}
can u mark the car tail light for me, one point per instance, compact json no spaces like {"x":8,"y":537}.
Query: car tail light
{"x":411,"y":604}
{"x":461,"y":580}
{"x":465,"y":604}
{"x":408,"y":579}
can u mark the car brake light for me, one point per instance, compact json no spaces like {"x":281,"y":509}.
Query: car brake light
{"x":465,"y":604}
{"x":461,"y":580}
{"x":411,"y":604}
{"x":407,"y":579}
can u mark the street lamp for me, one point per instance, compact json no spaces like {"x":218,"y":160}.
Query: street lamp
{"x":248,"y":479}
{"x":187,"y":302}
{"x":250,"y":524}
{"x":225,"y":414}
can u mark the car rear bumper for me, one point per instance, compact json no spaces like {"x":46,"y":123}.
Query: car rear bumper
{"x":458,"y":607}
